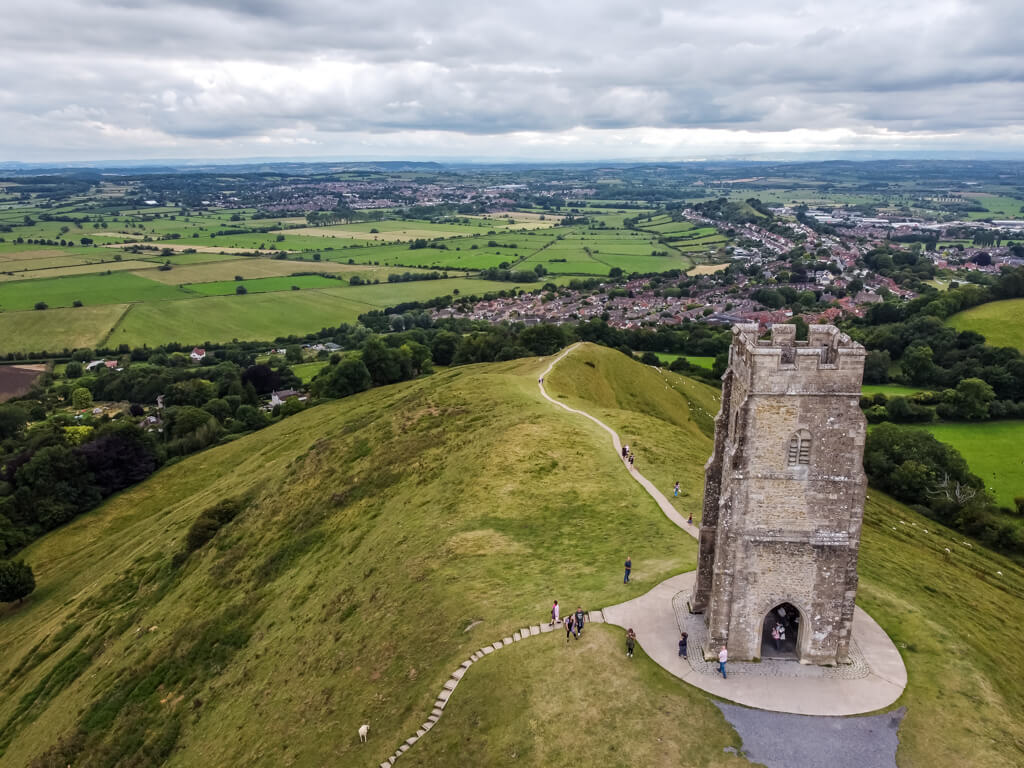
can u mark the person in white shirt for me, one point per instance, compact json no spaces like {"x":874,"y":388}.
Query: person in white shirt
{"x":723,"y":656}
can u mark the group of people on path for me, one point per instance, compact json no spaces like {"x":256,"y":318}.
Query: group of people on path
{"x":573,"y":622}
{"x":627,"y":456}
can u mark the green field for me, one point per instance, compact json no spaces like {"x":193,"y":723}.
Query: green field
{"x":264,"y":285}
{"x":993,"y":452}
{"x":306,"y":371}
{"x":998,"y":207}
{"x":116,"y":288}
{"x":1000,"y":322}
{"x":57,"y":329}
{"x":703,"y":362}
{"x":260,"y":316}
{"x":890,"y":390}
{"x":389,"y":535}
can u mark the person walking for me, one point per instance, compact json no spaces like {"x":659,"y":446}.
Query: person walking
{"x":723,"y":656}
{"x":569,"y":625}
{"x":554,"y":613}
{"x":625,"y":452}
{"x":682,"y":645}
{"x":689,"y":520}
{"x":675,"y":491}
{"x":579,"y":618}
{"x":630,"y":642}
{"x":631,"y":461}
{"x":629,"y":567}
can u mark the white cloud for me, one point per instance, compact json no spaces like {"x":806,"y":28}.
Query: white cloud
{"x":141,"y":78}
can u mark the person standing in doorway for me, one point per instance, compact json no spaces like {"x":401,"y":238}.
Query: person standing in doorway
{"x":675,"y":491}
{"x":723,"y":656}
{"x":579,"y":617}
{"x":775,"y":636}
{"x":682,"y":645}
{"x":630,"y":642}
{"x":629,"y":567}
{"x":554,"y":613}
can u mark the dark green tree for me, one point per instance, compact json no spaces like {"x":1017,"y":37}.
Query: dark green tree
{"x":16,"y":580}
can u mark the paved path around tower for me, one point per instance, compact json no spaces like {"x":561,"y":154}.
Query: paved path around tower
{"x":788,"y":687}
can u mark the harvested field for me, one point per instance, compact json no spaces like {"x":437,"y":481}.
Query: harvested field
{"x":16,"y":380}
{"x":707,"y":269}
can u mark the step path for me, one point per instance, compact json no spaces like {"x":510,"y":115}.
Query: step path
{"x":654,"y":619}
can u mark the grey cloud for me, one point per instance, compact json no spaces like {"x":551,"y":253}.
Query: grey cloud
{"x":178,"y":73}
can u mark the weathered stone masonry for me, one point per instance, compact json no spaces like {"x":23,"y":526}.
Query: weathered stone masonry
{"x":784,"y":493}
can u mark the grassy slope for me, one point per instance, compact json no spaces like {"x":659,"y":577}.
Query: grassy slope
{"x":378,"y":535}
{"x":665,"y":419}
{"x":1000,"y":322}
{"x":380,"y":527}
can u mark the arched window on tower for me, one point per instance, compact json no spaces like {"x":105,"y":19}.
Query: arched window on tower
{"x":799,"y":448}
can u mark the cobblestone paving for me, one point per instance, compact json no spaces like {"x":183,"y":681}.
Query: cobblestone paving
{"x":697,"y":632}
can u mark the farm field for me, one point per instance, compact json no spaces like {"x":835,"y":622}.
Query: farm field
{"x":999,"y":206}
{"x":263,"y":285}
{"x":1000,"y":322}
{"x":306,"y":371}
{"x":116,"y":288}
{"x":993,"y":452}
{"x":252,"y":267}
{"x":80,"y":269}
{"x":222,"y":318}
{"x":707,"y":269}
{"x":16,"y":380}
{"x":57,"y":329}
{"x":671,"y":357}
{"x":890,"y":390}
{"x":282,"y":312}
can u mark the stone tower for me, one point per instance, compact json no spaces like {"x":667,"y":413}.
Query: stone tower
{"x":784,"y":497}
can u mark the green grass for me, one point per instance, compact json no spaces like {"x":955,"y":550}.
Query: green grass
{"x":1000,"y":322}
{"x":259,"y":316}
{"x":263,"y":285}
{"x":306,"y":371}
{"x":671,"y":357}
{"x":432,"y":503}
{"x":993,"y":452}
{"x":890,"y":390}
{"x":57,"y":329}
{"x":381,"y":526}
{"x":116,"y":288}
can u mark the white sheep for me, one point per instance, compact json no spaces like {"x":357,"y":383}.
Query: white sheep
{"x":363,"y":731}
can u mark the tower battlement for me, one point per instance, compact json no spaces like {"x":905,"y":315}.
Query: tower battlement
{"x":829,"y":361}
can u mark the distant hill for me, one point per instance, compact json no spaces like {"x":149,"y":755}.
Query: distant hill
{"x":381,"y":539}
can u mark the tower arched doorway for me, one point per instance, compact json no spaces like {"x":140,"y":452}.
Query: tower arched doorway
{"x":780,"y":633}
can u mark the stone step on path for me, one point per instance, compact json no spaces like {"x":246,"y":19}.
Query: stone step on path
{"x":446,"y":692}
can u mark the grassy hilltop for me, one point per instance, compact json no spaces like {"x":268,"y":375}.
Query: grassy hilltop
{"x":385,"y":537}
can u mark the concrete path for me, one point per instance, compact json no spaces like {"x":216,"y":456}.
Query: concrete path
{"x":666,"y":506}
{"x":653,"y":617}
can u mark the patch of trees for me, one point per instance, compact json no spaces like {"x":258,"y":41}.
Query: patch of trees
{"x":408,"y":277}
{"x":933,"y":478}
{"x":911,"y":338}
{"x":509,"y":275}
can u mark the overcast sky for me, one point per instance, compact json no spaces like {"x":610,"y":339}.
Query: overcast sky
{"x":564,"y":80}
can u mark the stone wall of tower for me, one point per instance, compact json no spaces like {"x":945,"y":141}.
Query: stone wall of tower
{"x":774,"y":531}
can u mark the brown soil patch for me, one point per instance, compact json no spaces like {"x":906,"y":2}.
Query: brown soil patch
{"x":16,"y":380}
